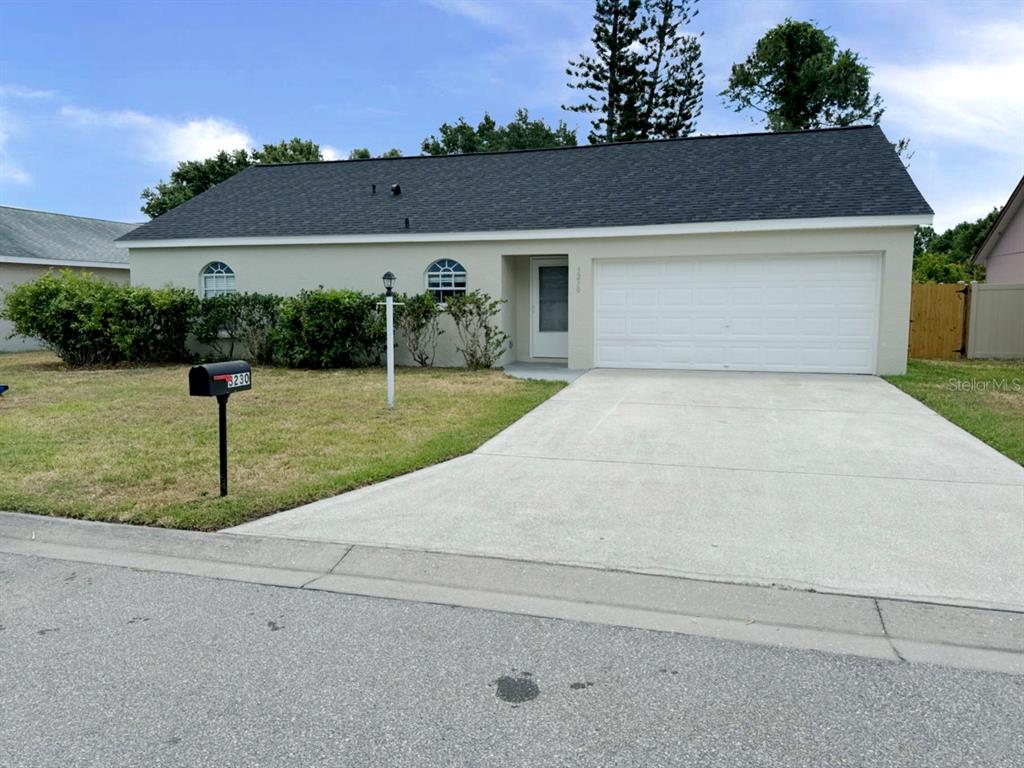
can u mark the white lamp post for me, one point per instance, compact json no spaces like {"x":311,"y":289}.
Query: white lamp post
{"x":389,"y":303}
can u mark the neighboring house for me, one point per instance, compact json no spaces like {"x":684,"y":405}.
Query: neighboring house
{"x":32,"y":242}
{"x":1002,"y":252}
{"x":762,"y":252}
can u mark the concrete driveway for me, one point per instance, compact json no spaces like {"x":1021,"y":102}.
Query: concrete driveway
{"x":836,"y":483}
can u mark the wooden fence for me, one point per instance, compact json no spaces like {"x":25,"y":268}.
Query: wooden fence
{"x":938,"y":320}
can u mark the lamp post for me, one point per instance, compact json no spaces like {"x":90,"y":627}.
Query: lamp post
{"x":389,"y":303}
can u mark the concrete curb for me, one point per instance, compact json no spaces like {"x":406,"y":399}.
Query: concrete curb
{"x":892,"y":630}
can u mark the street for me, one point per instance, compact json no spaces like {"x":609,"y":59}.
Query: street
{"x":108,"y":666}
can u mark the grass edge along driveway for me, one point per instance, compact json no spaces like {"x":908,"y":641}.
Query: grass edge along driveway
{"x":130,"y":445}
{"x":983,"y":397}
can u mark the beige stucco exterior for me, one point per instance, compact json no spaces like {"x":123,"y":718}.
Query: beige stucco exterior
{"x":12,"y":274}
{"x":501,"y":269}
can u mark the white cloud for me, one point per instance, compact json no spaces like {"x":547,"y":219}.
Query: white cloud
{"x":490,"y":14}
{"x":330,"y":153}
{"x":9,"y":90}
{"x":9,"y":171}
{"x":164,"y":140}
{"x":977,"y":100}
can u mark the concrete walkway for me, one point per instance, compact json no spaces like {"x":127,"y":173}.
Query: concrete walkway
{"x":834,"y":483}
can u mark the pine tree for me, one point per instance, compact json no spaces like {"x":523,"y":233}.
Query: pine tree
{"x":612,"y":75}
{"x":645,"y":80}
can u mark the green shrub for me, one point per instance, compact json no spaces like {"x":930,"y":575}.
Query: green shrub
{"x":245,"y":319}
{"x":481,"y":341}
{"x":88,"y":321}
{"x":417,"y":321}
{"x":329,"y":329}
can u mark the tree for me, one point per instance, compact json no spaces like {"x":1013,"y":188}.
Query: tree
{"x":193,"y":177}
{"x":362,"y":153}
{"x":949,"y":257}
{"x":645,"y":79}
{"x":294,"y":151}
{"x":520,"y":133}
{"x":798,"y":78}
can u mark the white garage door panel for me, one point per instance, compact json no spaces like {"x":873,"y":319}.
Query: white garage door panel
{"x":780,"y":313}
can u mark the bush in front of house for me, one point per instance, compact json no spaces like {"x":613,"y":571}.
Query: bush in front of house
{"x":329,"y":329}
{"x":480,"y":341}
{"x":89,"y":321}
{"x":418,"y":323}
{"x":242,"y":322}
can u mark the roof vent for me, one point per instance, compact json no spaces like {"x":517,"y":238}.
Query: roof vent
{"x":373,"y":189}
{"x":396,"y":189}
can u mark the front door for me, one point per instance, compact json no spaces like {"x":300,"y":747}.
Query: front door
{"x":549,"y":307}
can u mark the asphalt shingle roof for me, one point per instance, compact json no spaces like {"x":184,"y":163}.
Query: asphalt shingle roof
{"x":808,"y":174}
{"x":26,"y":234}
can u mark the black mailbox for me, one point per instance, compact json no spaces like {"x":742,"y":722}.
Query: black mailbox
{"x":219,"y":378}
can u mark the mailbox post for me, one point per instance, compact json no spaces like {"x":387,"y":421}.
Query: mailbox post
{"x":220,"y":380}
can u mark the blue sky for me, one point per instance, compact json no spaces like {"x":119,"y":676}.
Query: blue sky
{"x":100,"y":99}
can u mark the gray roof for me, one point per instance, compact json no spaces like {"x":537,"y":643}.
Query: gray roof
{"x":805,"y":174}
{"x":26,"y":234}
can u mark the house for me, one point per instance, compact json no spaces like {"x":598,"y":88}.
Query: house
{"x":754,"y":252}
{"x":32,"y":242}
{"x":1002,"y":251}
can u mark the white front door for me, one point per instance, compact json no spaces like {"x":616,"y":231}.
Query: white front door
{"x":549,"y":307}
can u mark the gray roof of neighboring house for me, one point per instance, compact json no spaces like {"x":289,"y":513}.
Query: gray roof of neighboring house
{"x":26,"y":234}
{"x":805,"y":174}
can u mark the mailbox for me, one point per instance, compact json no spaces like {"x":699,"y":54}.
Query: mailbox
{"x":220,"y":380}
{"x":217,"y":379}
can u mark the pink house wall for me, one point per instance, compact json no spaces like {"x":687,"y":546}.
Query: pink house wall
{"x":1006,"y":261}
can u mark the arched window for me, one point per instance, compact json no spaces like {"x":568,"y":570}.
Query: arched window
{"x":445,"y":277}
{"x":217,"y":279}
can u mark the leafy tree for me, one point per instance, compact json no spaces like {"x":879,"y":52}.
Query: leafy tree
{"x":362,"y":153}
{"x":964,"y":240}
{"x":798,"y":78}
{"x":295,"y":151}
{"x":193,"y":177}
{"x":645,"y":80}
{"x":520,"y":133}
{"x":923,"y":237}
{"x":949,"y":257}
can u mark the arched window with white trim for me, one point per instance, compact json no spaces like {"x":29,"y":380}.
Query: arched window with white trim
{"x":446,"y":277}
{"x":217,"y":279}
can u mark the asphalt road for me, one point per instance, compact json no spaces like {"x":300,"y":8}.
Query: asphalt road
{"x":104,"y":666}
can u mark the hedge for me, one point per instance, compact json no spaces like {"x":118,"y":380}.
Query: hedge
{"x":89,"y":321}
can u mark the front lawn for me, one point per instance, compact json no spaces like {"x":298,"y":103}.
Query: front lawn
{"x":984,"y":397}
{"x":129,"y":444}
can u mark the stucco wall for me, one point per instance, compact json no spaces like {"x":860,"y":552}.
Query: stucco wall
{"x":1005,"y":263}
{"x":501,"y":268}
{"x":12,"y":274}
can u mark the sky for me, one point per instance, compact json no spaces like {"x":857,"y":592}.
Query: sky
{"x":99,"y":100}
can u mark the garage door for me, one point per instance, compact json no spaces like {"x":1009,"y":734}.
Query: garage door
{"x":783,"y":313}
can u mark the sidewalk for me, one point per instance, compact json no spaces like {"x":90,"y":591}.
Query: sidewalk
{"x":894,"y":630}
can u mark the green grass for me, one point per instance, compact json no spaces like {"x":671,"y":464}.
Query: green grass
{"x":130,"y":445}
{"x":984,"y":397}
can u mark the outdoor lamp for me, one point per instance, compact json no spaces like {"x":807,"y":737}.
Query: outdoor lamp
{"x":389,"y":282}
